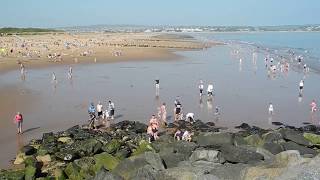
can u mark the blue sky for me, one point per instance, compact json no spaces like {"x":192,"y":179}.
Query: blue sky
{"x":61,"y":13}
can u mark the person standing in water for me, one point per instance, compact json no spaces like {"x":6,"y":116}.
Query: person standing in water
{"x":313,"y":106}
{"x":270,"y":109}
{"x":18,"y":119}
{"x":157,"y":81}
{"x":99,"y":109}
{"x":163,"y":113}
{"x":301,"y":84}
{"x":178,"y":111}
{"x":111,"y":109}
{"x":201,"y":87}
{"x":54,"y":78}
{"x":210,"y":90}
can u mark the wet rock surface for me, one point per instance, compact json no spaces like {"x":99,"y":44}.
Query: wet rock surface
{"x":122,"y":151}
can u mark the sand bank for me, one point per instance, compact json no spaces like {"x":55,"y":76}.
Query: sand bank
{"x":47,"y":50}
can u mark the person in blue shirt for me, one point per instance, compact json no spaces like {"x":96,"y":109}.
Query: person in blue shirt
{"x":91,"y":109}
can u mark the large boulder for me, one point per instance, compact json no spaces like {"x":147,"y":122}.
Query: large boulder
{"x":172,"y":159}
{"x":254,"y":140}
{"x":29,"y":150}
{"x":206,"y":155}
{"x":272,"y":137}
{"x":273,"y":147}
{"x":288,"y":158}
{"x":313,"y":138}
{"x":229,"y":171}
{"x":80,"y":168}
{"x":44,"y":159}
{"x":19,"y":158}
{"x":184,"y":147}
{"x":30,"y":173}
{"x":295,"y":136}
{"x":89,"y":147}
{"x":146,"y":172}
{"x":302,"y":149}
{"x":129,"y":167}
{"x":112,"y":146}
{"x":214,"y":139}
{"x":193,"y":171}
{"x":307,"y":169}
{"x":106,"y":175}
{"x":106,"y":161}
{"x":143,"y":147}
{"x":240,"y":154}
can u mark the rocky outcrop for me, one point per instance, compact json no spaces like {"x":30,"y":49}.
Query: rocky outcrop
{"x":123,"y":152}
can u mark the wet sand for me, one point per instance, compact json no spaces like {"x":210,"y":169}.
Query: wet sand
{"x":242,"y":91}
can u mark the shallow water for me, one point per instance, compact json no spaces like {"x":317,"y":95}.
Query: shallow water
{"x":242,"y":92}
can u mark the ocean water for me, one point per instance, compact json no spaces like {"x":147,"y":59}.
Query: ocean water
{"x":306,"y":44}
{"x":243,"y":89}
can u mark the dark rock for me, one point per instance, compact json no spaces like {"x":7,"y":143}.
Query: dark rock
{"x":105,"y":160}
{"x":294,"y":146}
{"x":66,"y":155}
{"x":277,"y":123}
{"x":257,"y":130}
{"x":210,"y":124}
{"x":239,"y":140}
{"x":80,"y":168}
{"x":184,"y":147}
{"x":239,"y":154}
{"x":112,"y":146}
{"x":214,"y":139}
{"x":129,"y":167}
{"x":89,"y":147}
{"x":172,"y":159}
{"x":295,"y":136}
{"x":244,"y":126}
{"x":48,"y":138}
{"x":273,"y":147}
{"x":106,"y":175}
{"x":146,"y":173}
{"x":140,"y":127}
{"x":311,"y":129}
{"x":229,"y":171}
{"x":123,"y":153}
{"x":272,"y":136}
{"x":29,"y":150}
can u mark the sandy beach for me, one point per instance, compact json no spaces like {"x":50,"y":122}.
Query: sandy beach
{"x":61,"y":50}
{"x":65,"y":48}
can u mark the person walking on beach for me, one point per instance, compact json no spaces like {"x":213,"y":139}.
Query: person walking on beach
{"x":313,"y":106}
{"x":111,"y":109}
{"x":163,"y":113}
{"x":270,"y":109}
{"x":18,"y":119}
{"x":201,"y":87}
{"x":157,"y":81}
{"x":99,"y":109}
{"x":210,"y":90}
{"x":301,"y":84}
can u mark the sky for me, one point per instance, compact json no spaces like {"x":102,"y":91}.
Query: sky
{"x":64,"y":13}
